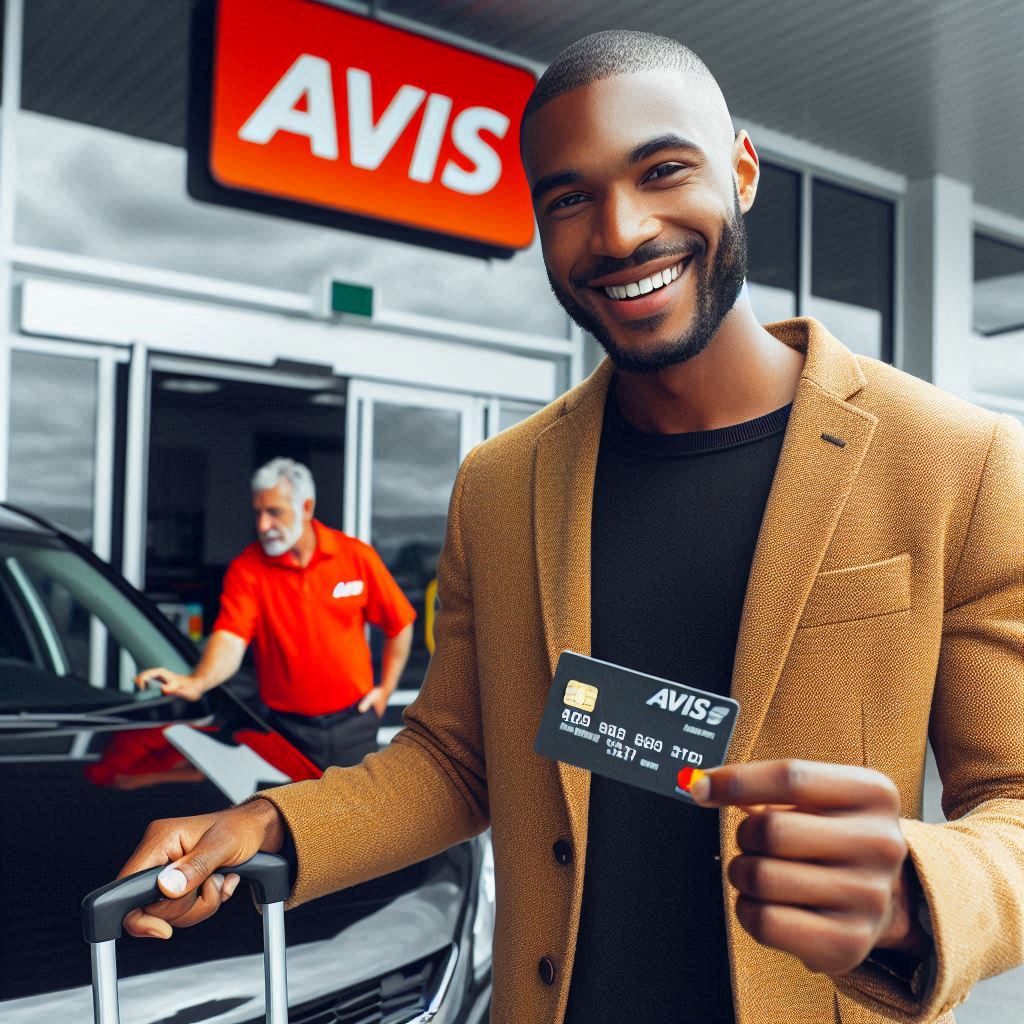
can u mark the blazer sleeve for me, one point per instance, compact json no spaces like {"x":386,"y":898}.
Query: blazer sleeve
{"x":971,"y":868}
{"x":424,"y":792}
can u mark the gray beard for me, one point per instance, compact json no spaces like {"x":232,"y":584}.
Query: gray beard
{"x":275,"y":548}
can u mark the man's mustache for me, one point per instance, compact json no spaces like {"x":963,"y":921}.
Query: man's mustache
{"x":646,"y":253}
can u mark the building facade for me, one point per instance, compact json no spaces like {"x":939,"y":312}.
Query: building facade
{"x":155,"y":349}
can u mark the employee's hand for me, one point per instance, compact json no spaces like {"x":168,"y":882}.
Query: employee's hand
{"x":376,"y":699}
{"x":171,"y":684}
{"x":194,"y":849}
{"x":823,"y":869}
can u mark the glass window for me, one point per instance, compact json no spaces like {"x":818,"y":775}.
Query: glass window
{"x":852,"y":268}
{"x":415,"y":460}
{"x":998,"y":286}
{"x":773,"y":245}
{"x":53,"y":438}
{"x":511,"y":413}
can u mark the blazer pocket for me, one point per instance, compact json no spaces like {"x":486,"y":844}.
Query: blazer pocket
{"x":859,"y":592}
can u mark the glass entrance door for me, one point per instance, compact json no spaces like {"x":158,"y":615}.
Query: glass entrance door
{"x":63,"y":422}
{"x":406,"y":448}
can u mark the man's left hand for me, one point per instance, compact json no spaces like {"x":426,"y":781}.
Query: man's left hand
{"x":376,"y":699}
{"x":823,"y":868}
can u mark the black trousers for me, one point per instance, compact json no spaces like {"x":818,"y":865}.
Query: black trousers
{"x":343,"y":738}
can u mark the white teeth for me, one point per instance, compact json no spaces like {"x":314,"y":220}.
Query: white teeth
{"x":645,"y":285}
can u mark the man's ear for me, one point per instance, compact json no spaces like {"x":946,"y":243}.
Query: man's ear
{"x":745,"y":168}
{"x":307,"y":509}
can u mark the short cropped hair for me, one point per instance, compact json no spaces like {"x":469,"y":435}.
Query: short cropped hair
{"x":270,"y":474}
{"x":615,"y":52}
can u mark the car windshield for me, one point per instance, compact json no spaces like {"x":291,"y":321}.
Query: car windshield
{"x":69,"y":638}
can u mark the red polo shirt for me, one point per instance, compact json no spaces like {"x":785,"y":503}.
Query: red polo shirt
{"x":307,"y":625}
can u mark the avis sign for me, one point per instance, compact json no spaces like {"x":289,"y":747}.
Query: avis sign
{"x":306,"y":111}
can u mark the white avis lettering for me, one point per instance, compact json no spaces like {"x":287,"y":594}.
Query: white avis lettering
{"x":350,"y":589}
{"x":308,"y":78}
{"x":309,"y":82}
{"x":682,"y":703}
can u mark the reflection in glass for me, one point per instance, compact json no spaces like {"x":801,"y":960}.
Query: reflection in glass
{"x":415,"y":459}
{"x":852,"y":268}
{"x":110,"y":196}
{"x":773,"y":244}
{"x":998,"y":286}
{"x":511,"y":413}
{"x":53,"y":438}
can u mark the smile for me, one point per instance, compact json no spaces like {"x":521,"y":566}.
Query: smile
{"x":645,"y":285}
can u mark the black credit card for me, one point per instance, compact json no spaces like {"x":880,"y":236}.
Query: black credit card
{"x":634,"y":727}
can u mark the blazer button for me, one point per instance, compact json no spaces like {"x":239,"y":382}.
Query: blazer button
{"x":562,"y":851}
{"x":546,"y":970}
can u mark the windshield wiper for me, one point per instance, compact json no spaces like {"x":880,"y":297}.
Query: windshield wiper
{"x":35,"y":719}
{"x":34,"y":724}
{"x":98,"y":716}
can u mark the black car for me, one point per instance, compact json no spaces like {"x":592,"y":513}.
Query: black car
{"x":87,"y":761}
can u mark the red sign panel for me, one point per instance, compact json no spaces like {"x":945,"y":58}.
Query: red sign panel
{"x":367,"y":124}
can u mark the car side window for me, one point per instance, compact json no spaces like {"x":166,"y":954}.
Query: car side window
{"x":66,"y":622}
{"x":16,"y":640}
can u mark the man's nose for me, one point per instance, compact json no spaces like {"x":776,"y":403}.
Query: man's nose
{"x":264,"y":522}
{"x":623,"y":225}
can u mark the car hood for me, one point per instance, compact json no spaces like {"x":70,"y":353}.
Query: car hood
{"x":74,"y":816}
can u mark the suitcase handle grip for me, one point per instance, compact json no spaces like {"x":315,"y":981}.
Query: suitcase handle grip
{"x":104,"y":909}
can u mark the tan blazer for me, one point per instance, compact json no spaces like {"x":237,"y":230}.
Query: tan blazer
{"x":886,"y":594}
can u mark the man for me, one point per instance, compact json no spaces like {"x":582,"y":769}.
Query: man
{"x":834,"y":542}
{"x":303,"y":595}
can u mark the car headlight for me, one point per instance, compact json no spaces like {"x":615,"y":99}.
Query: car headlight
{"x":483,"y":922}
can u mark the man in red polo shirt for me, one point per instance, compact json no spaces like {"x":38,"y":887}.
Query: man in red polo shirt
{"x":302,"y":595}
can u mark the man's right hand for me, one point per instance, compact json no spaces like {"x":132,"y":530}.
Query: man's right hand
{"x":172,"y":684}
{"x":193,"y":849}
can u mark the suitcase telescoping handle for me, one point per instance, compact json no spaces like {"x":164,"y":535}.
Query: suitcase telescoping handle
{"x":104,"y":909}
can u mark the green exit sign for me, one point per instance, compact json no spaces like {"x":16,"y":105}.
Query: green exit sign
{"x":355,"y":299}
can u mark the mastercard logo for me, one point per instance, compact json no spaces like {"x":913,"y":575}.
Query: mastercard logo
{"x":687,"y":777}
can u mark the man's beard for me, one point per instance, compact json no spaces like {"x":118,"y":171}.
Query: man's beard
{"x":277,"y":542}
{"x":718,"y":286}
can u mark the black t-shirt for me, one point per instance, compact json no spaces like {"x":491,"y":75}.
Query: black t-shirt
{"x":675,"y":523}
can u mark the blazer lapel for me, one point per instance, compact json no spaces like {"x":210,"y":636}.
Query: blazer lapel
{"x":565,"y":461}
{"x":811,"y":485}
{"x":810,"y":489}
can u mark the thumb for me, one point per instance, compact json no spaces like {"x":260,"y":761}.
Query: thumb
{"x":189,"y":872}
{"x":364,"y":703}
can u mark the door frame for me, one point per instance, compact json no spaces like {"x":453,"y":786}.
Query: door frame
{"x":363,"y":395}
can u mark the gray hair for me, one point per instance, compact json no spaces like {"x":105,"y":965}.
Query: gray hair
{"x":300,"y":478}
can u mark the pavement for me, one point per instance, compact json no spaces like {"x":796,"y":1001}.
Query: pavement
{"x":995,"y":1001}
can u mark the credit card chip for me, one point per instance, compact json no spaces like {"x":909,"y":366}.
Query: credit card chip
{"x":580,"y":695}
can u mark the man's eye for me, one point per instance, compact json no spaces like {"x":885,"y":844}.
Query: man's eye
{"x":566,"y":201}
{"x":663,"y":171}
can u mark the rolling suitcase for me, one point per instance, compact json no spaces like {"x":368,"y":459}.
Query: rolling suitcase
{"x":104,"y":909}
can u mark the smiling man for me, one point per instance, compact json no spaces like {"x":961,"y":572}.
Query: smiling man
{"x":755,"y":511}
